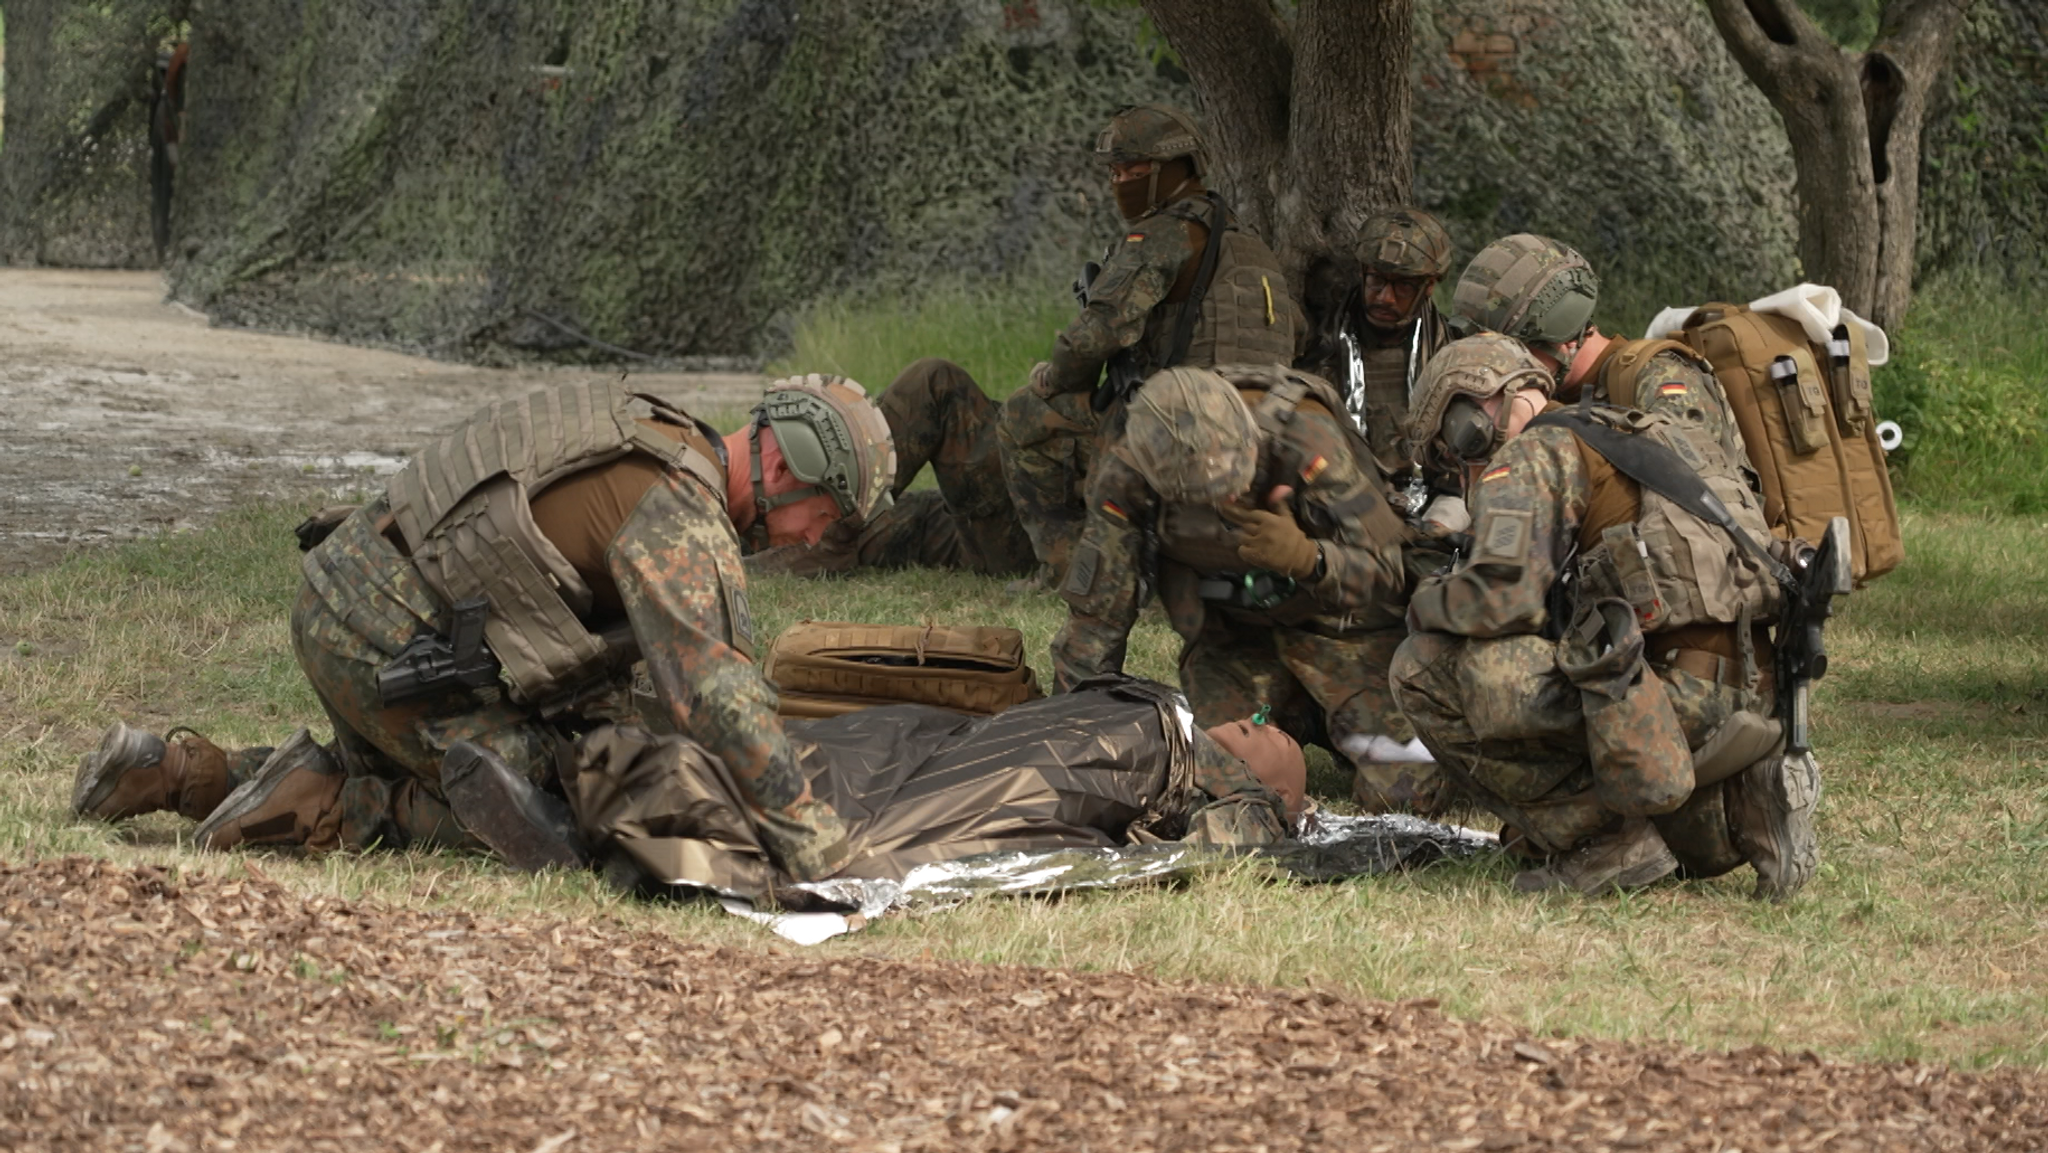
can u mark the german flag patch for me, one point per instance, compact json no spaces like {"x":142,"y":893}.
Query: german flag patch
{"x":1109,"y":508}
{"x":1314,"y":469}
{"x":1497,"y":472}
{"x":1134,"y":237}
{"x":1673,"y":388}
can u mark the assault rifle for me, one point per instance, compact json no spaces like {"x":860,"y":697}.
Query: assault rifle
{"x":1121,"y":376}
{"x":431,"y":664}
{"x":1819,"y":575}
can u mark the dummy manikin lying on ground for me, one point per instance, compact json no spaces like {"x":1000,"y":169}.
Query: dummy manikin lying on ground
{"x":1117,"y":762}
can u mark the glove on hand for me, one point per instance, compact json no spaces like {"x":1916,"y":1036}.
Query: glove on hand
{"x":1272,"y":540}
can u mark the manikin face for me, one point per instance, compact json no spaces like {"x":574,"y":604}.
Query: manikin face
{"x":1392,"y":301}
{"x":1272,"y":756}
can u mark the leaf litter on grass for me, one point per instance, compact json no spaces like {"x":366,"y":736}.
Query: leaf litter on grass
{"x":165,"y":1009}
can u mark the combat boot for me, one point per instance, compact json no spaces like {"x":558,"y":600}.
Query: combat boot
{"x":1629,"y":859}
{"x":529,"y":828}
{"x":1770,"y":814}
{"x":134,"y":772}
{"x":294,"y":799}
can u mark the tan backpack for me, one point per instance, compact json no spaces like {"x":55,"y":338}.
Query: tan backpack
{"x":825,"y":668}
{"x":1808,"y":426}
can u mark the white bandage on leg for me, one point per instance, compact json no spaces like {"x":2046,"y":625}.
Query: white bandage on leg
{"x":1384,"y":749}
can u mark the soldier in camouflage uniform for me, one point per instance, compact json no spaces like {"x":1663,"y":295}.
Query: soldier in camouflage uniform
{"x":1617,"y":722}
{"x":1116,"y":761}
{"x":1542,"y":293}
{"x":588,"y":533}
{"x":937,"y":415}
{"x":1256,"y":512}
{"x":1142,"y":312}
{"x":1376,"y":339}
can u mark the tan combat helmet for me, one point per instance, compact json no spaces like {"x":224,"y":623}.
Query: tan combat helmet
{"x":832,"y":438}
{"x":1189,"y":434}
{"x":1155,"y":132}
{"x":1445,"y":416}
{"x":1529,"y":287}
{"x":1404,"y":242}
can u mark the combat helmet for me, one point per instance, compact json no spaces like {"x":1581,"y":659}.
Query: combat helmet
{"x":832,"y":438}
{"x":1405,"y":242}
{"x":1189,"y":434}
{"x":1444,"y":410}
{"x":1155,"y":132}
{"x":1529,"y":287}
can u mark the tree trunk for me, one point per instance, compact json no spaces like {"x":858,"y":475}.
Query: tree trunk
{"x":1854,"y":125}
{"x":1308,"y":125}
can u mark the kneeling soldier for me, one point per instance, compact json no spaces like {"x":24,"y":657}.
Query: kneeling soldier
{"x":498,"y":592}
{"x":1257,"y":513}
{"x":1597,"y":672}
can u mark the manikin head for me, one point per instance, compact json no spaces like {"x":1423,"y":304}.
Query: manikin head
{"x":1273,"y":757}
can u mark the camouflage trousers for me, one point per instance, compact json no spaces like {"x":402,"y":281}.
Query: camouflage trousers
{"x":676,"y":562}
{"x":1508,"y":727}
{"x":939,"y":416}
{"x":1327,"y":690}
{"x":1048,"y":446}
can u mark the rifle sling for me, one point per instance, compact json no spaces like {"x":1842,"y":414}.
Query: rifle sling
{"x":1191,"y":308}
{"x":1661,"y":471}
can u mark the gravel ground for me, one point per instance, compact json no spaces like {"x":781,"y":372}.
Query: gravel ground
{"x":142,"y":1010}
{"x":122,"y":415}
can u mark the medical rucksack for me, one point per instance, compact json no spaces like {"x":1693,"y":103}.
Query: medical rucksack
{"x":1807,"y":423}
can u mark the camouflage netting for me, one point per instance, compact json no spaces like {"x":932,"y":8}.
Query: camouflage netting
{"x":74,"y":159}
{"x":1621,"y":127}
{"x":481,"y":177}
{"x":674,"y":179}
{"x":1984,"y":164}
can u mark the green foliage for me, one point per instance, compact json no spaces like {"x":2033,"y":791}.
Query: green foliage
{"x":1968,"y":383}
{"x":1849,"y":23}
{"x":996,"y":332}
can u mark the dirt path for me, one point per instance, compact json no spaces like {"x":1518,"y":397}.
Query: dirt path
{"x":122,"y":415}
{"x":145,"y":1011}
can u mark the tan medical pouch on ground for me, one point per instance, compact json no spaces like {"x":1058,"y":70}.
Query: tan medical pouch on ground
{"x":1806,"y":421}
{"x":825,"y":668}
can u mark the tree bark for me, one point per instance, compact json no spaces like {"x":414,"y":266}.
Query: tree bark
{"x":1854,"y":125}
{"x":1308,"y":124}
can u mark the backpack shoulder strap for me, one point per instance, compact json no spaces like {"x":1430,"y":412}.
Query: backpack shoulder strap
{"x":1663,"y":472}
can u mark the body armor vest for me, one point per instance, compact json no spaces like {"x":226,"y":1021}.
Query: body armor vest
{"x":1386,"y":373}
{"x":1675,"y":569}
{"x":462,"y":506}
{"x":1247,"y":315}
{"x":1202,"y":540}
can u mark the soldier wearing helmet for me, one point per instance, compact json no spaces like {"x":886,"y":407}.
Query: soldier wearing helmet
{"x":936,"y":415}
{"x":1374,"y":341}
{"x":1183,"y":285}
{"x":1255,"y":511}
{"x":493,"y":599}
{"x":1595,"y":671}
{"x":1542,"y":293}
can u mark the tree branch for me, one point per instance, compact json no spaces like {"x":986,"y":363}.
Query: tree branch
{"x":1911,"y":30}
{"x":1771,"y":62}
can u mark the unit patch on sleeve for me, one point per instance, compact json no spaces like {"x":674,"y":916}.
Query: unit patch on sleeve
{"x":1503,"y":537}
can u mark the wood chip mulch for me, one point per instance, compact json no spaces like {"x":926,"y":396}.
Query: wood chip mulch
{"x":144,"y":1011}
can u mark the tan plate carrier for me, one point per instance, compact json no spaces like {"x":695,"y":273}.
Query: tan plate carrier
{"x":825,"y":668}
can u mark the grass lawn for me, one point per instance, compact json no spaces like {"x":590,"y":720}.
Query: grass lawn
{"x":1922,"y":937}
